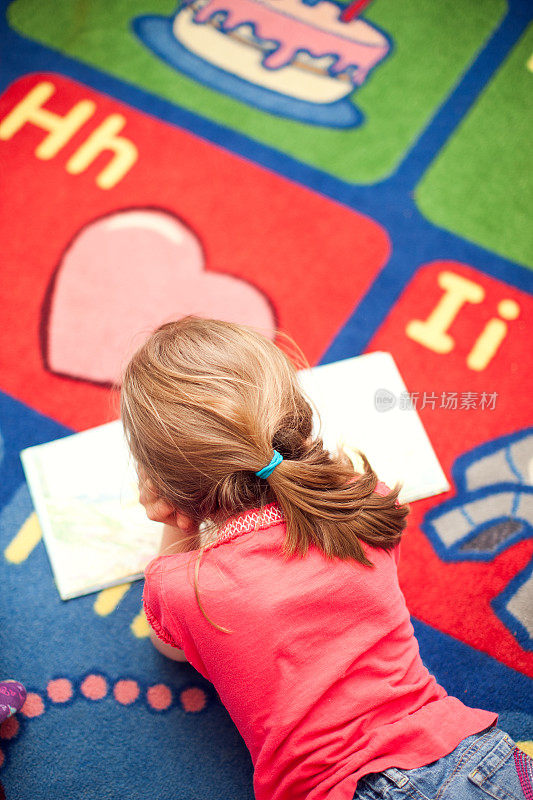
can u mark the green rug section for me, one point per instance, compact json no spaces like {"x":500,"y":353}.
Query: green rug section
{"x":480,"y":186}
{"x":432,"y":45}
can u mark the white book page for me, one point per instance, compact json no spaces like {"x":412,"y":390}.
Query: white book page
{"x":346,"y":393}
{"x":84,"y":488}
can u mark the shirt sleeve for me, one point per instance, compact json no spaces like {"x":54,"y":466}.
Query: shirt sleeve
{"x":155,"y":607}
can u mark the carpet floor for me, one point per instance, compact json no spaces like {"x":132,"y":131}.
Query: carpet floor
{"x":359,"y":192}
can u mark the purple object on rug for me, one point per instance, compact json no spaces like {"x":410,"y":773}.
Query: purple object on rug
{"x":12,"y":697}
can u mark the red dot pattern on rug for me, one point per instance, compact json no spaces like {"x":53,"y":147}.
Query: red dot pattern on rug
{"x":126,"y":691}
{"x":9,"y":728}
{"x":33,"y":706}
{"x":193,"y":700}
{"x":94,"y":687}
{"x":159,"y":697}
{"x":60,"y":690}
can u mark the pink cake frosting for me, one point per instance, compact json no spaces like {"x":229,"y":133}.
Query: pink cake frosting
{"x":315,"y":29}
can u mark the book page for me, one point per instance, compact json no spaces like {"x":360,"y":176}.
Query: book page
{"x":359,"y":404}
{"x":84,"y":488}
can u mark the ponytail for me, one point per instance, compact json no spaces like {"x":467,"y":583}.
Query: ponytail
{"x":326,"y":505}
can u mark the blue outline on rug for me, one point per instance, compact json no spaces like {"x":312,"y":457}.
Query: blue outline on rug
{"x":156,"y":34}
{"x":464,"y":495}
{"x":462,"y":462}
{"x":455,"y":553}
{"x":523,"y":636}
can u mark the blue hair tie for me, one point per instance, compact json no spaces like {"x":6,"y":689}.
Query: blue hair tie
{"x":277,"y":458}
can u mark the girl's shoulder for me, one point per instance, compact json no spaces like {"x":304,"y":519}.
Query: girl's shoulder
{"x":171,"y":562}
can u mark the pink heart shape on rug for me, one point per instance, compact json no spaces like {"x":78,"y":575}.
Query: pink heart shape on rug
{"x":127,"y":273}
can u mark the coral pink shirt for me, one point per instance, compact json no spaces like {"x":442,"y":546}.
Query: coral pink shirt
{"x":321,"y":672}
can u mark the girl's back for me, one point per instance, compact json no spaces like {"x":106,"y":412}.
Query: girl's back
{"x":321,"y":672}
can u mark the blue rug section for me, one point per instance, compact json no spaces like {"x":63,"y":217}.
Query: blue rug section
{"x":93,"y":751}
{"x":478,"y":680}
{"x":92,"y":747}
{"x":20,"y":427}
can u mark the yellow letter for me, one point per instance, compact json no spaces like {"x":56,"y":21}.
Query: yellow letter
{"x":60,"y":129}
{"x":432,"y":331}
{"x":492,"y":336}
{"x":105,"y":138}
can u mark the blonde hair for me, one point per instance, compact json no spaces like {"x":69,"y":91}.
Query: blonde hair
{"x":203,"y":404}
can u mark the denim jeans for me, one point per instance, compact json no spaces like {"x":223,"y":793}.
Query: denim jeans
{"x":482,"y":766}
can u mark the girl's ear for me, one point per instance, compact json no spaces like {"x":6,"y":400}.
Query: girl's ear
{"x":185,"y":523}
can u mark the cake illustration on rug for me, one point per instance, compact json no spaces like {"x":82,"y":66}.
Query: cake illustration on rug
{"x":288,"y":57}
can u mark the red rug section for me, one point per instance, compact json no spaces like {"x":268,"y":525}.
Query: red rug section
{"x":268,"y":232}
{"x":456,"y":597}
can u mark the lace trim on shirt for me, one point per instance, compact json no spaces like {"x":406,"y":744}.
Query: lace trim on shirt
{"x":255,"y":520}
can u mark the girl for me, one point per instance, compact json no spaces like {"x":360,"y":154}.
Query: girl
{"x":277,"y":580}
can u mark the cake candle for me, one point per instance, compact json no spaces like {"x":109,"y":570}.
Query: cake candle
{"x":353,"y":10}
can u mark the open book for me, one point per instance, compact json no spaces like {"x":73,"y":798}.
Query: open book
{"x":84,"y":486}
